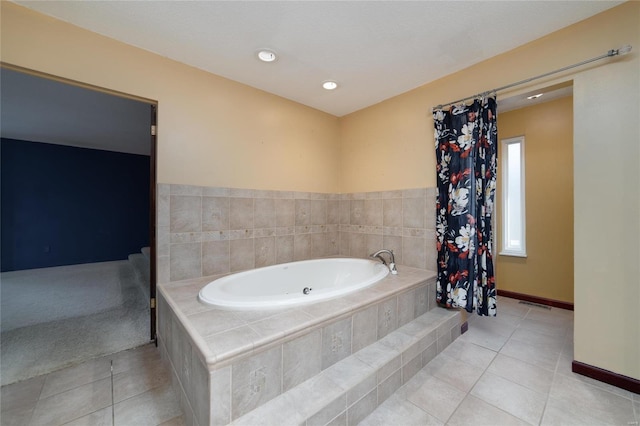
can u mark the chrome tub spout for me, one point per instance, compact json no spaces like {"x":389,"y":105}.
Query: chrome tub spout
{"x":392,"y":260}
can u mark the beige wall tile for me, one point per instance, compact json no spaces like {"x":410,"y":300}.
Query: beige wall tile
{"x":392,"y":212}
{"x":414,"y":252}
{"x":215,"y":257}
{"x":301,"y":359}
{"x":185,"y":213}
{"x":265,"y":251}
{"x":185,"y":261}
{"x":387,"y":317}
{"x":302,"y":247}
{"x":413,"y":212}
{"x":285,"y":212}
{"x":373,"y":212}
{"x":255,"y":381}
{"x":284,"y":248}
{"x":220,"y":389}
{"x":242,"y":255}
{"x":363,"y":333}
{"x":336,"y":342}
{"x":345,"y":212}
{"x":215,"y":213}
{"x":357,"y":215}
{"x":306,"y":226}
{"x":264,"y":213}
{"x":241,"y":213}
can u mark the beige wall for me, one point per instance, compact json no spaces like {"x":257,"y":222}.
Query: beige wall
{"x":212,"y":131}
{"x":606,"y":155}
{"x":547,"y":271}
{"x":215,"y":132}
{"x":390,"y":146}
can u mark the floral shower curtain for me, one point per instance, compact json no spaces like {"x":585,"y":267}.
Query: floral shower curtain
{"x":466,"y":153}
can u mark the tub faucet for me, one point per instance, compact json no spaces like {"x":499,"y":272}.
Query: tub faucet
{"x":391,"y":265}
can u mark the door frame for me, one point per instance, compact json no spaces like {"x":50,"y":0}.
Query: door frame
{"x":152,"y":168}
{"x":153,"y":222}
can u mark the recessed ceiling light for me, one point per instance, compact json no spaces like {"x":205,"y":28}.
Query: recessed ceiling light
{"x":330,"y":85}
{"x":535,"y":96}
{"x":267,"y":55}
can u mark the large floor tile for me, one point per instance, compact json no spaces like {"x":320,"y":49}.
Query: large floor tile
{"x":102,"y":417}
{"x":513,"y":398}
{"x":470,"y":353}
{"x":437,"y":398}
{"x":503,"y":324}
{"x":544,"y":356}
{"x":458,"y":374}
{"x":73,"y":404}
{"x":413,"y":384}
{"x":565,"y":368}
{"x":152,"y":407}
{"x":135,"y":359}
{"x":553,"y":315}
{"x":592,"y":401}
{"x":399,"y":411}
{"x":134,"y":382}
{"x":559,"y":413}
{"x":557,"y":329}
{"x":511,"y":307}
{"x":534,"y":336}
{"x":176,"y":421}
{"x":525,"y":374}
{"x":78,"y":375}
{"x":485,"y":338}
{"x":21,"y":395}
{"x":16,"y":416}
{"x":474,"y":411}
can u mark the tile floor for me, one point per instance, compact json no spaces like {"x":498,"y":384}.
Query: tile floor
{"x":139,"y":392}
{"x":512,"y":369}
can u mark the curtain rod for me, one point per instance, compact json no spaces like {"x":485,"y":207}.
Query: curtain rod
{"x":613,"y":52}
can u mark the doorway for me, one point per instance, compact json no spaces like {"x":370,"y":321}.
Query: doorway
{"x":542,"y":270}
{"x":78,"y":222}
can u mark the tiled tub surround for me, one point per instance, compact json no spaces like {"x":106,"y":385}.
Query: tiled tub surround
{"x":228,"y":363}
{"x":204,"y":231}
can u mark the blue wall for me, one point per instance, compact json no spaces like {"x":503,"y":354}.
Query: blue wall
{"x":63,"y":205}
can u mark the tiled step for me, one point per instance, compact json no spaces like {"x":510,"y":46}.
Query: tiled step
{"x":352,"y":388}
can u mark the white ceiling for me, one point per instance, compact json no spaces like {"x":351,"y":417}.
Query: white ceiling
{"x":373,"y":49}
{"x":42,"y":110}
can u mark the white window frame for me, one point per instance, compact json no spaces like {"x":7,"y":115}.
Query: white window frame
{"x":506,"y":248}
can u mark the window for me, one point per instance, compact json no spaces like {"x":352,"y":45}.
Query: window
{"x":513,"y":212}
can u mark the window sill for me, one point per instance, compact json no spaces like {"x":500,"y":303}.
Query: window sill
{"x":513,"y":253}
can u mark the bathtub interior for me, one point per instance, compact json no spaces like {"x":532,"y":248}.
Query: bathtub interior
{"x":293,"y":283}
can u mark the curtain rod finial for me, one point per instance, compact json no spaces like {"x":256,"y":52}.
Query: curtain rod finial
{"x":621,"y":51}
{"x":624,"y":49}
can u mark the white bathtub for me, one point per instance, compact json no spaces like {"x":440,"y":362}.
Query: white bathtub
{"x":284,"y":285}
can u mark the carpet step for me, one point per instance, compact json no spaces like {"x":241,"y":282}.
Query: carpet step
{"x":349,"y":390}
{"x":141,"y":266}
{"x":147,"y":252}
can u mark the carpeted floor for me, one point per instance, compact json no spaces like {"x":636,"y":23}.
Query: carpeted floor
{"x":81,"y":312}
